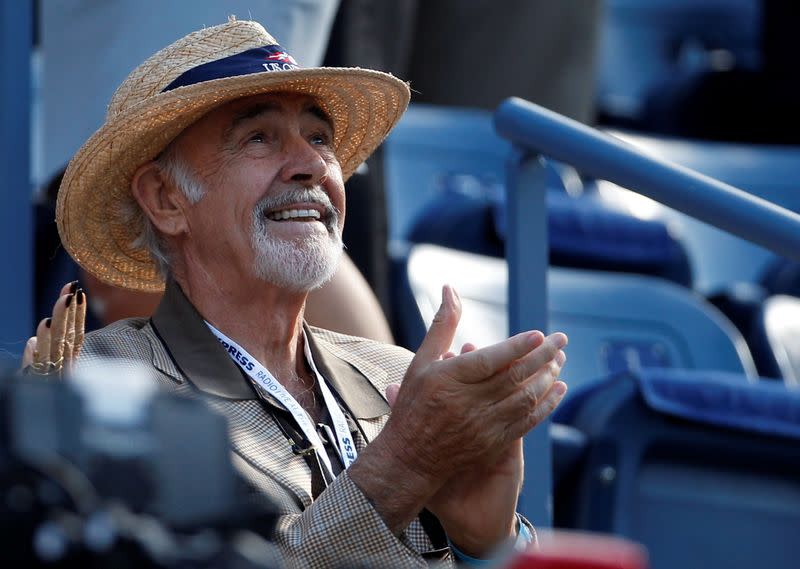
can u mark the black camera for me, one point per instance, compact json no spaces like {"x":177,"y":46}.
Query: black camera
{"x":101,"y":470}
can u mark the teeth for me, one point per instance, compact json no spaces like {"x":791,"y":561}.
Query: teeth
{"x":293,"y":214}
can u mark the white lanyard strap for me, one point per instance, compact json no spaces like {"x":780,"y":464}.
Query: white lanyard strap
{"x":347,"y":447}
{"x":267,"y":382}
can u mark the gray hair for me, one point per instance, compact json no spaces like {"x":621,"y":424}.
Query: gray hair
{"x":177,"y":171}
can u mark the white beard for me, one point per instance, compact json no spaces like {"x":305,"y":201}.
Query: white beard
{"x":302,"y":264}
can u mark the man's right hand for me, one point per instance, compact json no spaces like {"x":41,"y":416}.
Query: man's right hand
{"x":456,"y":413}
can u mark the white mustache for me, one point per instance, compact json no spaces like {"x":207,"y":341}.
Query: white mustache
{"x":312,"y":195}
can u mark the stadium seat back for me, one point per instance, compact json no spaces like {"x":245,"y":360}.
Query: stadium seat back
{"x":777,"y":330}
{"x":615,"y":321}
{"x":703,"y":468}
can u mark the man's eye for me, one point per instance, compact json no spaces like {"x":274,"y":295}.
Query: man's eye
{"x":257,"y":137}
{"x":319,"y":139}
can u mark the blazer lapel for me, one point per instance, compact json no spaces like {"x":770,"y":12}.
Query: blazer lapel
{"x":356,"y":381}
{"x":186,"y":349}
{"x":195,"y":350}
{"x":182,"y":337}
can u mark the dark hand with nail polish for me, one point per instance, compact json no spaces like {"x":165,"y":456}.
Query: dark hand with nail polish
{"x":59,"y":338}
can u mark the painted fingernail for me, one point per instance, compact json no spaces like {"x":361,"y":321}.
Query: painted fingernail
{"x":69,"y":300}
{"x":73,"y":286}
{"x":81,"y":296}
{"x":47,"y":322}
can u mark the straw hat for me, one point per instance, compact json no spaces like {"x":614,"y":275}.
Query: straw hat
{"x":173,"y":89}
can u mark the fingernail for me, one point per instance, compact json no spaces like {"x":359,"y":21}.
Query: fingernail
{"x":560,"y":340}
{"x":531,"y":339}
{"x":446,"y":295}
{"x":560,"y":388}
{"x":48,"y":322}
{"x":69,"y":300}
{"x":73,"y":286}
{"x":80,"y":296}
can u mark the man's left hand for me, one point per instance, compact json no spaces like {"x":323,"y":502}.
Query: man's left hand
{"x":477,"y":508}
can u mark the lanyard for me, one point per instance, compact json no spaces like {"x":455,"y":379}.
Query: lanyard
{"x":267,"y":382}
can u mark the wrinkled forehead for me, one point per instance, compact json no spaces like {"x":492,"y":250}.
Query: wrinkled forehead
{"x":238,"y":110}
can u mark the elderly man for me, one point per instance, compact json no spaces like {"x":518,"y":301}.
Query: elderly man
{"x":220,"y":170}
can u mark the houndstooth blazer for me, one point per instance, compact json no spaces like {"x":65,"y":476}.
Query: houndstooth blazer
{"x":338,"y":529}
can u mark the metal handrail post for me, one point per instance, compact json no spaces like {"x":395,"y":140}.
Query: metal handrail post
{"x":527,"y":258}
{"x":16,"y":234}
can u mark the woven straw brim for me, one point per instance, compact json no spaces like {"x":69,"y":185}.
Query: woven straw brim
{"x":94,"y":201}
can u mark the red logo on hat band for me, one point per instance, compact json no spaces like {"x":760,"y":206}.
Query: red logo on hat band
{"x":282,"y":56}
{"x":256,"y":60}
{"x":278,"y":59}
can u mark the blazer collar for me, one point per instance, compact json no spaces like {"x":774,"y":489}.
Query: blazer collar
{"x":356,"y":390}
{"x":201,"y":358}
{"x":195,"y":350}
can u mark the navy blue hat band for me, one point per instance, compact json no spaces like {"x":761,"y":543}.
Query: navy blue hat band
{"x":258,"y":60}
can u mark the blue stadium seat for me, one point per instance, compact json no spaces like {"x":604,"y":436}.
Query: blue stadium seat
{"x":701,"y":467}
{"x":771,"y":326}
{"x":782,"y":276}
{"x":582,"y":232}
{"x":443,"y":167}
{"x":430,"y":143}
{"x":775,"y":337}
{"x":615,"y":321}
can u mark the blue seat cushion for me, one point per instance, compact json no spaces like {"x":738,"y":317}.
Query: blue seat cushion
{"x":723,"y":399}
{"x":583,"y":233}
{"x":714,"y":398}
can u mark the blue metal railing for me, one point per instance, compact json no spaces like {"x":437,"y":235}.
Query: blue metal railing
{"x":536,"y":131}
{"x":601,"y":156}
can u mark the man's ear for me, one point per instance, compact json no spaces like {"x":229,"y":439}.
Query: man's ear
{"x":160,"y":201}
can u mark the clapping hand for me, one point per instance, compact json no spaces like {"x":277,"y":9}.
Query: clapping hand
{"x":477,"y":506}
{"x":458,"y":420}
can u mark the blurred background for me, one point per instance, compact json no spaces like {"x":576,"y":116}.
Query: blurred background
{"x":454,"y":53}
{"x":707,"y":84}
{"x":645,"y":293}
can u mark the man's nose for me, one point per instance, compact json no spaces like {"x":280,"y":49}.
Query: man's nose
{"x":304,"y":163}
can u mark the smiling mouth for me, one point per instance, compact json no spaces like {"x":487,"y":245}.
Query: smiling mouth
{"x":295,"y":215}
